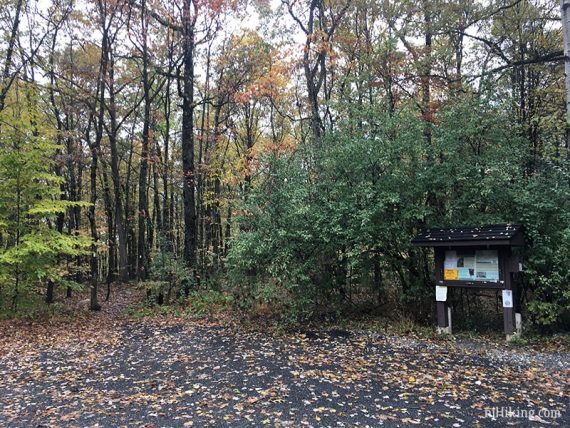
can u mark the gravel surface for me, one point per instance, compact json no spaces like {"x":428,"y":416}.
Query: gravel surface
{"x":181,"y":374}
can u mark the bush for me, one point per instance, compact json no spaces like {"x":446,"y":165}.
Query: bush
{"x":544,"y":206}
{"x":169,"y":278}
{"x":334,"y":219}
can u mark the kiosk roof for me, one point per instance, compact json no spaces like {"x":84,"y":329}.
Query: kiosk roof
{"x":492,"y":234}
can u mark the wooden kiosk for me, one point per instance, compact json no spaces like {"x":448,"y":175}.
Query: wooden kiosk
{"x":476,"y":257}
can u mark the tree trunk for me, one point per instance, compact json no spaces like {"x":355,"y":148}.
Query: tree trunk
{"x":93,"y":260}
{"x":168,"y":213}
{"x":8,"y":59}
{"x":50,"y":292}
{"x":112,"y":241}
{"x":142,"y":259}
{"x":565,"y":14}
{"x":190,"y":223}
{"x":116,"y":177}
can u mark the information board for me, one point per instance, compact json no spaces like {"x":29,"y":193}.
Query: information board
{"x":471,"y":265}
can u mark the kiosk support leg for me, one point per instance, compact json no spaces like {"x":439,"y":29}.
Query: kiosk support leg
{"x":509,"y":319}
{"x":518,"y":311}
{"x":443,"y":318}
{"x":518,"y":322}
{"x":509,"y":306}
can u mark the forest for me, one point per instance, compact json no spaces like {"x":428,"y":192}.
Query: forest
{"x":277,"y":156}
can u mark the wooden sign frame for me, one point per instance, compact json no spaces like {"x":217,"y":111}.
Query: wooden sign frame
{"x":503,"y":238}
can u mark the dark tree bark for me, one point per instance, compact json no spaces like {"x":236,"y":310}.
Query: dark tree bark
{"x":8,"y":79}
{"x":143,"y":218}
{"x":426,"y":74}
{"x":115,"y":173}
{"x":111,"y":233}
{"x":94,"y":147}
{"x":168,"y":206}
{"x":188,"y":167}
{"x":565,"y":17}
{"x":60,"y":220}
{"x":130,"y":208}
{"x":319,"y":30}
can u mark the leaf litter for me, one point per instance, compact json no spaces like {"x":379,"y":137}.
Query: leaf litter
{"x":107,"y":370}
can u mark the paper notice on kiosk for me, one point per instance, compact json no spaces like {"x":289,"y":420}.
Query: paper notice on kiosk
{"x":466,"y":265}
{"x":450,"y":274}
{"x":440,"y":293}
{"x":450,"y":260}
{"x":507,"y":298}
{"x":450,"y":271}
{"x":487,"y":265}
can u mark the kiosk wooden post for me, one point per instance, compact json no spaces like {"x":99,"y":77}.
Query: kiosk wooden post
{"x":443,"y":309}
{"x":476,"y":257}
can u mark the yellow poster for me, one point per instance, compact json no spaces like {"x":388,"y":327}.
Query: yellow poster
{"x":450,"y":274}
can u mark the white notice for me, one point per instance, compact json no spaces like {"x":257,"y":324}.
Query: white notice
{"x":450,"y":261}
{"x":440,"y":293}
{"x":507,"y":298}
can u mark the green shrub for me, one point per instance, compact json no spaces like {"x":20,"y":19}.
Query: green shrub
{"x":169,"y":277}
{"x":334,"y":219}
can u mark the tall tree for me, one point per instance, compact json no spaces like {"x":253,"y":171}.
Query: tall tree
{"x":565,"y":16}
{"x":318,"y":22}
{"x":189,"y":18}
{"x":8,"y":74}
